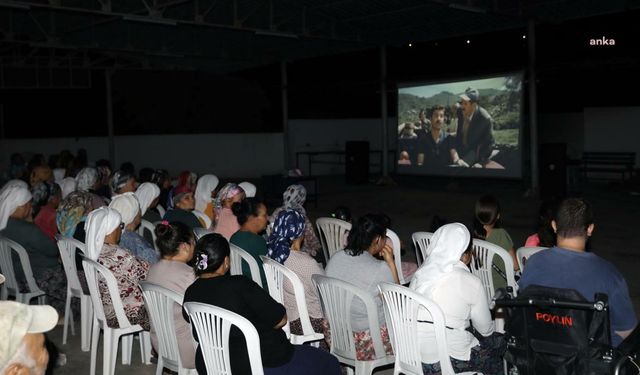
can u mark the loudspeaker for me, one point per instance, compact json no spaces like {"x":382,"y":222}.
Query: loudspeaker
{"x":357,"y":162}
{"x":553,"y":170}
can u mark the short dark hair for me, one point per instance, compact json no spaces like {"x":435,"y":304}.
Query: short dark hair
{"x":435,"y":108}
{"x":364,"y":232}
{"x":573,"y":217}
{"x":246,"y":208}
{"x":171,"y":235}
{"x":212,"y":249}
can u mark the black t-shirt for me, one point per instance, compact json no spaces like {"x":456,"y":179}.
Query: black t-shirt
{"x":244,"y":297}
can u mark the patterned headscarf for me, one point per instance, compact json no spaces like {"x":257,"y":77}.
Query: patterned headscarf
{"x":10,"y":199}
{"x":206,"y":184}
{"x":86,"y":178}
{"x":100,"y":223}
{"x":289,"y":225}
{"x":42,"y":192}
{"x":118,"y":180}
{"x":146,"y":193}
{"x":294,"y":197}
{"x":228,"y":191}
{"x":73,"y":209}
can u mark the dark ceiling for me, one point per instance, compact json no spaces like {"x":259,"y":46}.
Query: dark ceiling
{"x":61,"y":38}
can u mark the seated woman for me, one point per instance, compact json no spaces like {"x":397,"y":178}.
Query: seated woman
{"x":46,"y":199}
{"x":293,"y":199}
{"x":357,"y":265}
{"x":238,"y":294}
{"x":205,"y":190}
{"x":127,"y":206}
{"x":226,"y":221}
{"x":446,"y":279}
{"x":147,"y":194}
{"x":176,"y":243}
{"x":487,"y":226}
{"x":252,"y":217}
{"x":184,"y":203}
{"x":122,"y":182}
{"x":284,"y":244}
{"x":104,"y":227}
{"x":16,"y":225}
{"x":88,"y":180}
{"x":544,"y":236}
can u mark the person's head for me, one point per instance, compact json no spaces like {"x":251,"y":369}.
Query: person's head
{"x":211,"y":255}
{"x":287,"y":234}
{"x":487,"y":214}
{"x":147,"y":194}
{"x":22,"y":348}
{"x":343,"y":213}
{"x":122,"y":182}
{"x":437,"y":117}
{"x":175,"y":241}
{"x":73,"y":209}
{"x":46,"y":194}
{"x":104,"y":171}
{"x":229,"y":194}
{"x":469,"y":101}
{"x":128,"y":168}
{"x":546,"y":234}
{"x":205,"y":188}
{"x":129,"y":209}
{"x":368,"y":234}
{"x":145,"y":174}
{"x":249,"y":189}
{"x":103,"y":226}
{"x":187,"y":178}
{"x":87,"y":179}
{"x":573,"y":219}
{"x":40,"y":173}
{"x":15,"y":202}
{"x":183,"y":198}
{"x":422,"y":116}
{"x":251,"y":214}
{"x":161,"y":178}
{"x":294,"y":198}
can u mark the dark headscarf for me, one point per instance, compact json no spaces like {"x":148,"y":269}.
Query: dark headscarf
{"x":289,"y":226}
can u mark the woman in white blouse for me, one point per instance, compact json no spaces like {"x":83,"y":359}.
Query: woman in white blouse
{"x":445,"y":278}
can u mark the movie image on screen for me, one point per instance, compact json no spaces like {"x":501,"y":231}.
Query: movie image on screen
{"x":461,"y":128}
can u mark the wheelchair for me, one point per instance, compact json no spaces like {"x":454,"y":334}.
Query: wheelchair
{"x":557,"y":331}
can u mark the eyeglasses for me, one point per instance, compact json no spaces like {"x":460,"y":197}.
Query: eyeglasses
{"x":121,"y":225}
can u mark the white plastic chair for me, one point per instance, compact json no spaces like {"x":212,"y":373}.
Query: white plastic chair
{"x":482,"y":258}
{"x":212,"y":324}
{"x":397,"y":255}
{"x":401,"y":309}
{"x":146,"y":225}
{"x":202,"y":216}
{"x":67,"y":247}
{"x":200,"y":232}
{"x":332,"y":235}
{"x":10,"y":287}
{"x":111,"y":335}
{"x":523,"y":253}
{"x":160,"y":303}
{"x":421,"y":241}
{"x":337,"y":297}
{"x":237,"y":256}
{"x":275,"y":274}
{"x":161,"y":210}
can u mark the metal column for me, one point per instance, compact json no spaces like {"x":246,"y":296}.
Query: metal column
{"x":285,"y":115}
{"x":533,"y":108}
{"x":108,"y":74}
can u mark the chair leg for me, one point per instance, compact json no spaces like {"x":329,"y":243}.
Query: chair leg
{"x":145,"y":347}
{"x":67,"y":311}
{"x":127,"y":345}
{"x":95,"y":339}
{"x":160,"y":366}
{"x":110,"y":352}
{"x":86,"y":318}
{"x":364,"y":368}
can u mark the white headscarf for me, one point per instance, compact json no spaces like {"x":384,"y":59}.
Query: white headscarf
{"x":11,"y":183}
{"x":58,"y":175}
{"x":68,"y":186}
{"x":99,"y":224}
{"x":146,"y":193}
{"x":127,"y":206}
{"x":11,"y":198}
{"x":206,"y":184}
{"x":249,"y":189}
{"x":447,"y":246}
{"x":86,"y":178}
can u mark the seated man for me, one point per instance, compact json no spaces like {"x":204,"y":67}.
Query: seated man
{"x":569,"y":266}
{"x":23,"y":350}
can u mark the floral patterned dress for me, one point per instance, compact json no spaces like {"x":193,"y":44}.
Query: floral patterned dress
{"x":128,"y":271}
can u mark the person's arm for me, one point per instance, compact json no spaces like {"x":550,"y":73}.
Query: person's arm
{"x":387,"y":255}
{"x":480,"y":315}
{"x":267,"y":310}
{"x":622,"y":315}
{"x":281,"y":323}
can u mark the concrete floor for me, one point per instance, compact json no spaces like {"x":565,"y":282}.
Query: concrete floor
{"x":411,"y":206}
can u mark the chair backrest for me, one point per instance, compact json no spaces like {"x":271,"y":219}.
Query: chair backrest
{"x":67,"y":247}
{"x":7,"y":247}
{"x":237,"y":256}
{"x":95,"y":271}
{"x":482,"y":258}
{"x":397,"y":254}
{"x":161,"y":210}
{"x":421,"y":242}
{"x":160,"y":303}
{"x":276,"y":274}
{"x":336,"y":297}
{"x":333,"y":233}
{"x":148,"y":226}
{"x":200,"y":232}
{"x":401,"y":306}
{"x":203,"y":217}
{"x":212,"y":324}
{"x":523,"y":253}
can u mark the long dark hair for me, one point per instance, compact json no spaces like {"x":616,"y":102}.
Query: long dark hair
{"x":487,"y":212}
{"x":366,"y":229}
{"x":546,"y":234}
